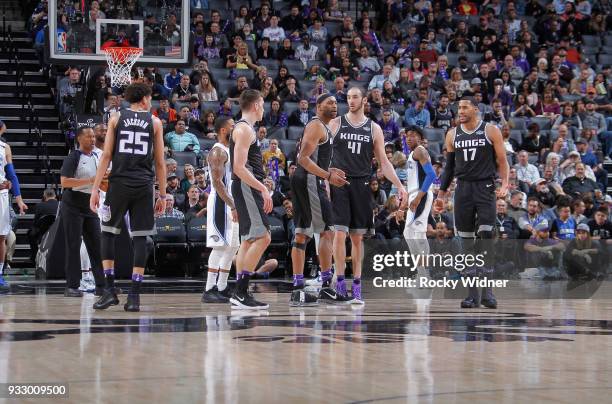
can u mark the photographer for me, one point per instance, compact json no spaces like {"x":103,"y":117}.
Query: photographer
{"x":68,"y":89}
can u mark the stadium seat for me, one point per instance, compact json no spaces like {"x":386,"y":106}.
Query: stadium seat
{"x":518,"y":124}
{"x":289,"y":107}
{"x":591,"y":40}
{"x":219,"y":73}
{"x":277,"y":133}
{"x":342,"y":109}
{"x":306,"y":86}
{"x":183,"y":158}
{"x":473,"y":57}
{"x":543,"y":122}
{"x":206,"y":144}
{"x":295,"y":132}
{"x":170,"y":246}
{"x":434,"y":135}
{"x":216,"y":63}
{"x":516,"y":135}
{"x":196,"y":232}
{"x":287,"y":147}
{"x":604,"y":59}
{"x":271,"y":65}
{"x":608,"y":40}
{"x":571,"y":97}
{"x":210,"y":106}
{"x":295,"y":67}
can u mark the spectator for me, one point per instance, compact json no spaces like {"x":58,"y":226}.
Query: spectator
{"x":563,"y":145}
{"x":425,"y":54}
{"x":526,"y":172}
{"x":293,"y":23}
{"x":497,"y":116}
{"x":242,"y":18}
{"x":601,"y":227}
{"x":273,"y":32}
{"x":184,"y":91}
{"x":241,"y":59}
{"x":45,"y":209}
{"x":205,"y":89}
{"x":276,"y":117}
{"x":563,"y":227}
{"x":199,"y":209}
{"x":389,"y":127}
{"x":387,"y":225}
{"x":171,"y":211}
{"x":302,"y":115}
{"x":578,"y":209}
{"x":173,"y":186}
{"x":188,"y":178}
{"x":579,"y":184}
{"x":291,"y":92}
{"x":583,"y":256}
{"x":338,"y":91}
{"x":505,"y":227}
{"x":318,"y":32}
{"x":157,"y":90}
{"x":209,"y":124}
{"x":172,"y":79}
{"x":534,"y":142}
{"x":265,"y":51}
{"x":531,"y":219}
{"x":543,"y":254}
{"x":366,"y":62}
{"x":542,"y":191}
{"x":166,"y":114}
{"x":192,"y":124}
{"x":379,"y":195}
{"x":378,"y":80}
{"x":306,"y":52}
{"x":192,"y":199}
{"x":417,"y":115}
{"x":272,"y":155}
{"x":286,"y":51}
{"x":200,"y":176}
{"x":180,"y":140}
{"x":264,"y":143}
{"x":569,"y":118}
{"x":234,"y":93}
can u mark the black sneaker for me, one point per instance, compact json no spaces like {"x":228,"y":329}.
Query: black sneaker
{"x":70,"y":292}
{"x":109,"y":298}
{"x":4,"y":289}
{"x":133,"y":303}
{"x":301,"y":298}
{"x":100,"y":291}
{"x":488,"y":299}
{"x":246,"y":301}
{"x":469,"y":303}
{"x":331,"y":296}
{"x":214,"y":296}
{"x":227,"y":292}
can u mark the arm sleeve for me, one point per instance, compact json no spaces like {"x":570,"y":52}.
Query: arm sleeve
{"x":449,"y":171}
{"x":429,"y":178}
{"x":12,"y":177}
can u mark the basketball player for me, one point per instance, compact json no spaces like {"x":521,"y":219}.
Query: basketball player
{"x":356,"y":141}
{"x":8,"y":180}
{"x":222,"y":219}
{"x":420,"y":197}
{"x":134,"y":143}
{"x":475,"y":152}
{"x":251,"y":197}
{"x":312,"y":211}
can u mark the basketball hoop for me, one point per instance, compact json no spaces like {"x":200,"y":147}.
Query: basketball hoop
{"x":120,"y":61}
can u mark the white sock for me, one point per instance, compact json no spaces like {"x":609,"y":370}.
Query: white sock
{"x":211,"y":280}
{"x":1,"y":268}
{"x":222,"y":280}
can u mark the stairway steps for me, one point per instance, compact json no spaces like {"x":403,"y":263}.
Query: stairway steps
{"x":19,"y":112}
{"x":10,"y":87}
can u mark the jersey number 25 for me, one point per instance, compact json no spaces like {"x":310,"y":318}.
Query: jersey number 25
{"x":133,"y":142}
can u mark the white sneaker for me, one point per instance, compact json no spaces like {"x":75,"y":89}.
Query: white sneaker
{"x":316,"y":282}
{"x":88,"y":285}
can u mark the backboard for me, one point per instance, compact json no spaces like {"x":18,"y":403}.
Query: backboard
{"x":79,"y":31}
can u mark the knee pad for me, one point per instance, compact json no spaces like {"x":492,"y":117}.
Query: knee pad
{"x":140,"y":251}
{"x":484,"y":246}
{"x":108,"y":246}
{"x":214,"y":259}
{"x":300,"y":246}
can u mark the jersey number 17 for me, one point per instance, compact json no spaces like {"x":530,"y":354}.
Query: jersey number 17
{"x":133,"y":142}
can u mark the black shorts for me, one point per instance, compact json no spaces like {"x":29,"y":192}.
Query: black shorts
{"x":138,"y":201}
{"x":312,"y":210}
{"x":252,"y":219}
{"x":353,"y":206}
{"x":474,"y":207}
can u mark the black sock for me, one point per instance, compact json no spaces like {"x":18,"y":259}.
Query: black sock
{"x":243,"y":283}
{"x":136,"y":282}
{"x":109,"y":278}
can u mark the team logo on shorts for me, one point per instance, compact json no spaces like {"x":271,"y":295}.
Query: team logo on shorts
{"x":215,"y":238}
{"x":105,"y":213}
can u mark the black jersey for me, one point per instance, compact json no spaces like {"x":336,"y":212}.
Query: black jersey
{"x":474,"y":154}
{"x":353,"y":148}
{"x":133,"y":162}
{"x":322,"y":153}
{"x":442,"y":120}
{"x":254,"y":161}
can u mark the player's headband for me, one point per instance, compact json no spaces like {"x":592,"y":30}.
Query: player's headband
{"x":323,"y":97}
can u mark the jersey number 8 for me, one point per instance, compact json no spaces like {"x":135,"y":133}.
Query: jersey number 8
{"x":133,"y":142}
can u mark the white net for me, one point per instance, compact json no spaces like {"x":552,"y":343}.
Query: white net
{"x":120,"y":62}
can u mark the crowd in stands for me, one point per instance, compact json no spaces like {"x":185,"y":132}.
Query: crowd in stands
{"x":539,"y":70}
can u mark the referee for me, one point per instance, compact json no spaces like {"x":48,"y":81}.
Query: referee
{"x":78,"y":221}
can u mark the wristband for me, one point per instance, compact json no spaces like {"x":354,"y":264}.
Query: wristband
{"x":329,"y":176}
{"x":164,"y":197}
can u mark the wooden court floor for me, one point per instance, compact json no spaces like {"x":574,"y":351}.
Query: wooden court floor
{"x":178,"y":350}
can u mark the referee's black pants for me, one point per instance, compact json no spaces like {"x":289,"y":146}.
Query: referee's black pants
{"x":78,"y":224}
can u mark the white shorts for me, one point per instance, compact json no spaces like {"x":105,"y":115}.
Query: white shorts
{"x":417,"y":222}
{"x":220,"y":230}
{"x":5,"y":216}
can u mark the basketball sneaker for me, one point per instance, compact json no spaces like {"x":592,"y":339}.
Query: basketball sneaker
{"x":87,"y":285}
{"x":214,"y":296}
{"x":470,"y":303}
{"x":316,"y":282}
{"x":4,"y":287}
{"x":133,"y":302}
{"x":301,"y":298}
{"x":227,"y":292}
{"x":246,"y":301}
{"x":488,"y":299}
{"x":331,"y":296}
{"x":356,"y":293}
{"x":109,"y":298}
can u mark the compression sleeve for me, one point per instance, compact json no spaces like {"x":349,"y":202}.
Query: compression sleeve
{"x":449,"y":171}
{"x":12,"y":177}
{"x":429,"y":178}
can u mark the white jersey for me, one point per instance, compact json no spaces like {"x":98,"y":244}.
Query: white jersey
{"x":417,"y":221}
{"x":220,"y":230}
{"x":3,"y":164}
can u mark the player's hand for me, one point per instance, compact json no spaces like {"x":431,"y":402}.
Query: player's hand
{"x":22,"y":206}
{"x":94,"y":201}
{"x":160,"y":206}
{"x":400,"y":215}
{"x":502,"y":191}
{"x":439,"y":203}
{"x":337,"y":177}
{"x":267,"y":199}
{"x":5,"y":185}
{"x":234,"y":216}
